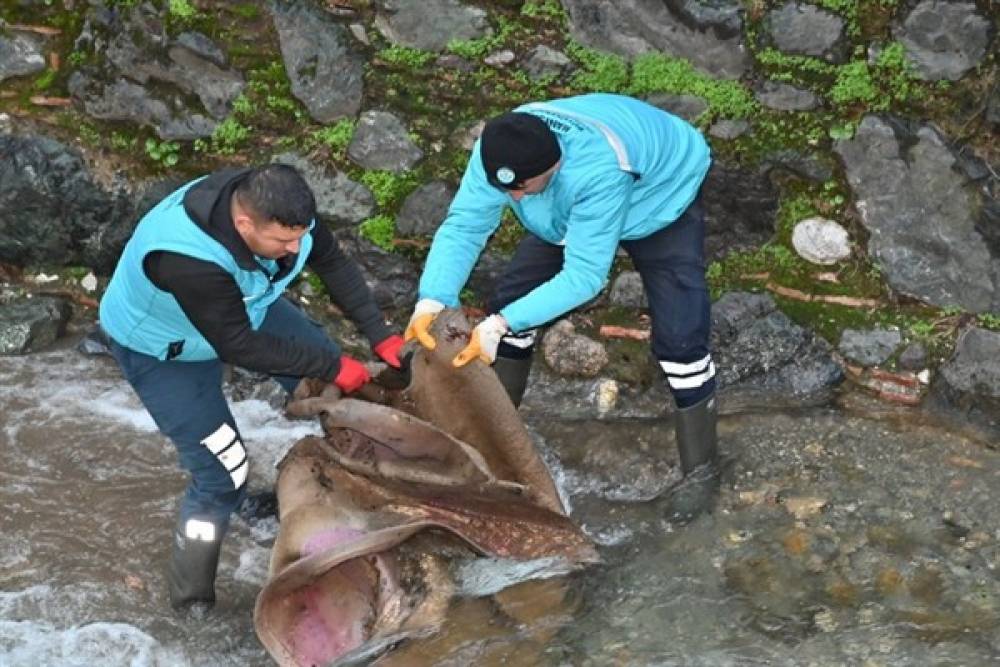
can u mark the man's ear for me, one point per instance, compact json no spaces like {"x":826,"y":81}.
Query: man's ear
{"x":243,"y":222}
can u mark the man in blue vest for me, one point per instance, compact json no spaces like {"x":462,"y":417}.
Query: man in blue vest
{"x":199,"y":284}
{"x":585,"y":175}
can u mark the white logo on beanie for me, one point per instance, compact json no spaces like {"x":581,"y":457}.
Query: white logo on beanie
{"x":505,"y":175}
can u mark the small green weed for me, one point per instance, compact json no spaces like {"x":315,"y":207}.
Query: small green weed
{"x":600,"y":72}
{"x":336,"y":137}
{"x":405,"y":56}
{"x":389,"y":188}
{"x":182,"y":10}
{"x":45,"y":80}
{"x":166,"y":153}
{"x":228,"y":135}
{"x":989,"y":321}
{"x":543,"y":9}
{"x":380,"y":230}
{"x":655,"y":72}
{"x":123,"y":142}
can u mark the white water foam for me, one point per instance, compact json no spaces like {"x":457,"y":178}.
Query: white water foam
{"x":67,"y":388}
{"x":92,"y":645}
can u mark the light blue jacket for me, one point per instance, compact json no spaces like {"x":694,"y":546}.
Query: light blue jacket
{"x":144,"y":318}
{"x":628,"y":170}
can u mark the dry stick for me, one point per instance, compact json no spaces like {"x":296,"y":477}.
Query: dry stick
{"x":612,"y":331}
{"x":39,"y":29}
{"x":799,"y":295}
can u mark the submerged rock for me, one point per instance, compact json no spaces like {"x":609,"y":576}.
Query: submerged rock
{"x":966,"y":392}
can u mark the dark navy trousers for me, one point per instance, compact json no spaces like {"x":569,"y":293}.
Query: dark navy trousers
{"x":185,"y":400}
{"x":671,"y":262}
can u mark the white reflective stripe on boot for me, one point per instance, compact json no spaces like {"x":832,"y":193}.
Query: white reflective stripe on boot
{"x":199,"y":530}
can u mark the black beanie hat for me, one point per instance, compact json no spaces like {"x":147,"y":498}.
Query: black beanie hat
{"x":515,"y":147}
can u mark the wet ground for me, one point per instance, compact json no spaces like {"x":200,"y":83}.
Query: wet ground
{"x":839,"y":540}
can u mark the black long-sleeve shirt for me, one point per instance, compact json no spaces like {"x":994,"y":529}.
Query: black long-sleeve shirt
{"x":211,"y":299}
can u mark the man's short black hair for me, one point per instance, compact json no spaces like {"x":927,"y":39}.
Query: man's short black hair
{"x":278,"y":193}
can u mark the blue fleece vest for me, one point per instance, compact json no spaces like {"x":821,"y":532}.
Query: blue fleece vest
{"x":144,"y":318}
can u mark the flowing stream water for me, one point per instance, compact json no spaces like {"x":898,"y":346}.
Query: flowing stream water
{"x":839,"y":540}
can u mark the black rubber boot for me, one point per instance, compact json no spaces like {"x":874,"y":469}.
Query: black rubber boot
{"x":697,"y":445}
{"x":513,"y":374}
{"x":191,"y":576}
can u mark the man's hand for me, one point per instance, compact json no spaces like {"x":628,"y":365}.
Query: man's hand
{"x":483,"y":344}
{"x":352,"y":375}
{"x":388,"y":350}
{"x":423,"y":314}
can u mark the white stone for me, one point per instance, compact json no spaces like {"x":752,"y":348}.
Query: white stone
{"x":89,"y":282}
{"x":821,"y":241}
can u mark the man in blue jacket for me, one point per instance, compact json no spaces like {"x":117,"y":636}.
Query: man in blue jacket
{"x":199,"y":284}
{"x":585,"y":175}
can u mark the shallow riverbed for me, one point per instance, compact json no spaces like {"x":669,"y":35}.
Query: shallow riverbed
{"x":839,"y":540}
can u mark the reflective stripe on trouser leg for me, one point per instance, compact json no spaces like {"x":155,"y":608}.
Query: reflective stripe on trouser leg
{"x":517,"y":345}
{"x":185,"y":400}
{"x":226,"y":446}
{"x":672,"y":266}
{"x":692,"y":376}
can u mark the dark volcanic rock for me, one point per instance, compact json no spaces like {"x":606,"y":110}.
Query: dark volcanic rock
{"x":324,"y":64}
{"x":29,"y":325}
{"x":966,"y":392}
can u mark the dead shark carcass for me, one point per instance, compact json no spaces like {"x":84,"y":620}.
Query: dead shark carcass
{"x":372,"y":513}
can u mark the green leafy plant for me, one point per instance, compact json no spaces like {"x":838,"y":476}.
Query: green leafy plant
{"x":405,"y":56}
{"x":388,"y":187}
{"x":243,"y":106}
{"x":380,"y":230}
{"x":45,"y":81}
{"x":228,"y":135}
{"x":842,"y":131}
{"x":166,"y":153}
{"x":599,"y":72}
{"x":123,"y":142}
{"x":543,"y":8}
{"x":655,"y":72}
{"x":989,"y":320}
{"x":854,"y":84}
{"x":336,"y":137}
{"x":182,"y":9}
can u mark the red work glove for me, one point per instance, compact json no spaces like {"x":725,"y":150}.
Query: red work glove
{"x":388,"y":350}
{"x":352,"y":375}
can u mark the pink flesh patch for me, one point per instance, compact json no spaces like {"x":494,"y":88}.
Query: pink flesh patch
{"x":329,"y":539}
{"x":332,"y":615}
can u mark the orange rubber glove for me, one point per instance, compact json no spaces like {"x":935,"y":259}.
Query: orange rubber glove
{"x":420,"y":322}
{"x":484,"y":341}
